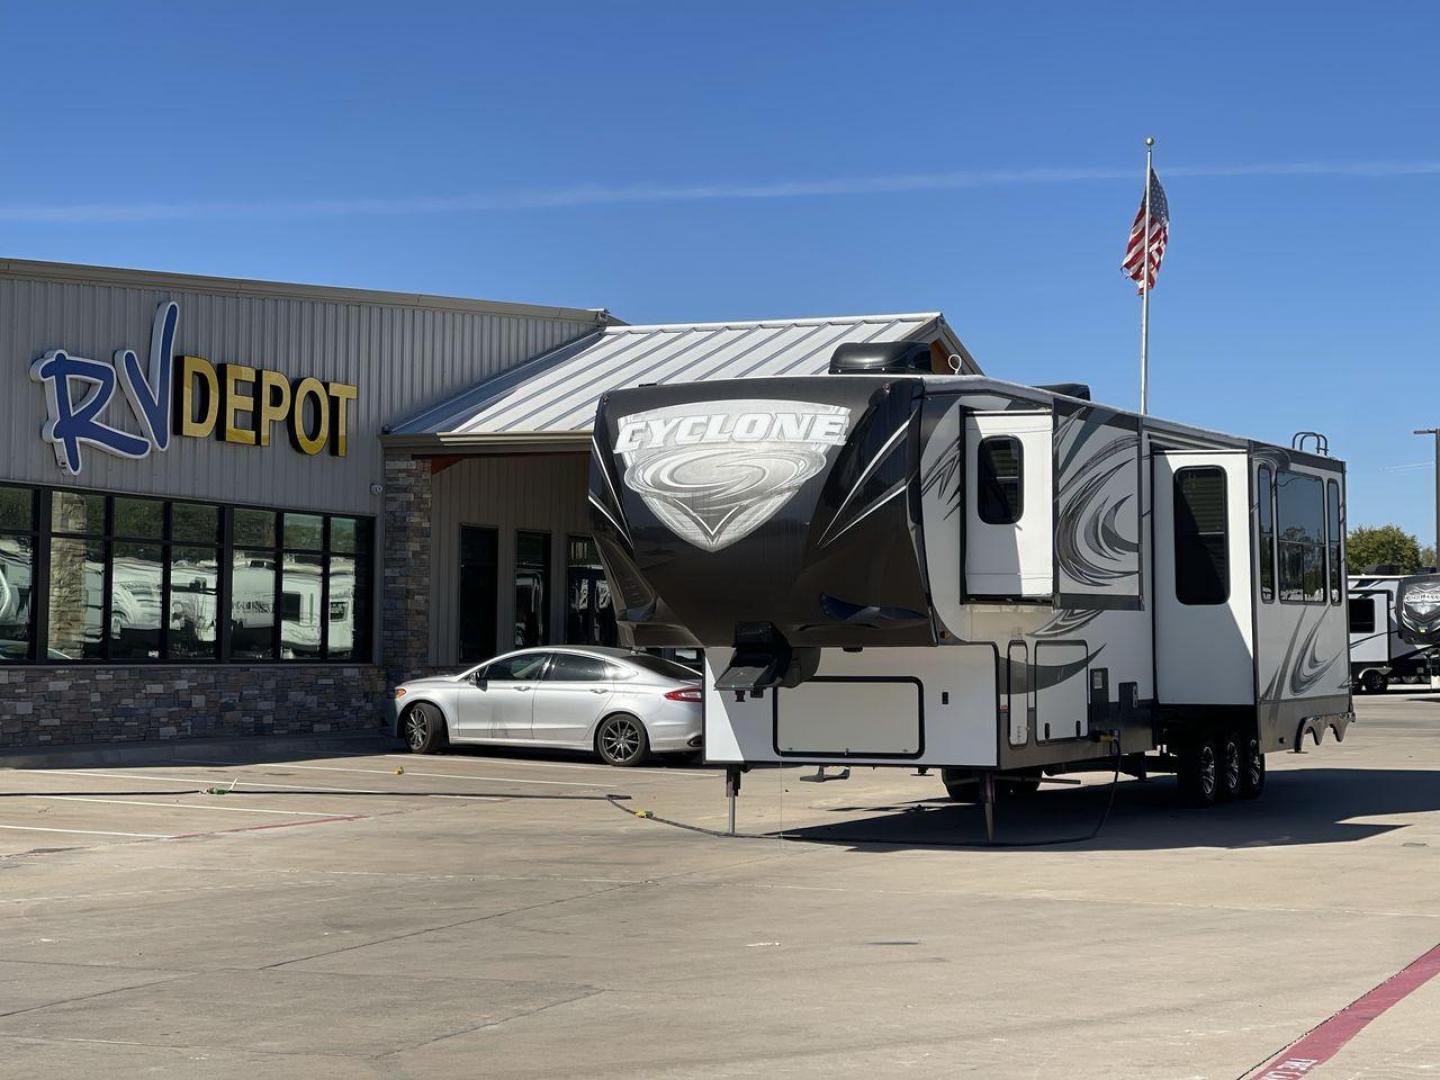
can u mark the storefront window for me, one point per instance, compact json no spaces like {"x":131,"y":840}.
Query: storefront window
{"x":532,"y":588}
{"x":347,"y":586}
{"x":17,"y":572}
{"x":252,"y":605}
{"x":133,"y":579}
{"x":77,"y":599}
{"x":136,"y":601}
{"x":589,"y":613}
{"x":194,"y":601}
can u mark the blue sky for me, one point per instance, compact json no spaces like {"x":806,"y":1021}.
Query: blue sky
{"x":678,"y":162}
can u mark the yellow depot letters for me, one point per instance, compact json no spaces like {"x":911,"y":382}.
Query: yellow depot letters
{"x":240,"y":404}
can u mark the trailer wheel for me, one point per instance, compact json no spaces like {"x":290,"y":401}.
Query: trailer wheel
{"x":1374,"y":682}
{"x":1018,"y":786}
{"x":1198,"y":772}
{"x":962,"y":785}
{"x":1252,"y":777}
{"x":1231,"y":768}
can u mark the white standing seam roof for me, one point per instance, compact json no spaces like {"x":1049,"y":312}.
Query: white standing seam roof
{"x":554,"y":396}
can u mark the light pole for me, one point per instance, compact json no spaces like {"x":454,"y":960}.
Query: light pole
{"x":1436,"y":433}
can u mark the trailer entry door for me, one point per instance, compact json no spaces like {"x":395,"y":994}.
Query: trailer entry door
{"x":1203,"y":591}
{"x":1009,"y":506}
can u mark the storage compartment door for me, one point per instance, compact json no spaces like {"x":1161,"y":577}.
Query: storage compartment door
{"x":854,"y":716}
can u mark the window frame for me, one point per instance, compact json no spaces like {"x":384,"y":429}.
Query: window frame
{"x":1366,"y":598}
{"x":224,"y":548}
{"x":1334,"y":545}
{"x":1265,"y":503}
{"x":1175,"y":535}
{"x":38,"y":552}
{"x":982,"y":459}
{"x":1279,"y":541}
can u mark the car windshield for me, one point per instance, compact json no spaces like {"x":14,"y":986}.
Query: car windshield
{"x":659,"y":666}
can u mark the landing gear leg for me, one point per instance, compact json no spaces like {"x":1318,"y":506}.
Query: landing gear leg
{"x":732,"y":792}
{"x":987,"y":796}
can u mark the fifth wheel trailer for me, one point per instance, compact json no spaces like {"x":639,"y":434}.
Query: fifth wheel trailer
{"x":1378,"y":651}
{"x":887,"y":566}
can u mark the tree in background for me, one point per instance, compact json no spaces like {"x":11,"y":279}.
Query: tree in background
{"x":1385,"y":544}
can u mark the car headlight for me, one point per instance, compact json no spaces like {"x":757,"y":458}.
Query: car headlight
{"x":399,"y":692}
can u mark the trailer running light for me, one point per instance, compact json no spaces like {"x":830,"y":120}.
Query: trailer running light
{"x":686,"y":693}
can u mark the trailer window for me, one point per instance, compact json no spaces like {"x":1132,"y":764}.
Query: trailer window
{"x":1265,"y":519}
{"x":1334,"y":535}
{"x":1300,"y":513}
{"x":1362,"y":615}
{"x":1000,"y":493}
{"x":1202,"y":553}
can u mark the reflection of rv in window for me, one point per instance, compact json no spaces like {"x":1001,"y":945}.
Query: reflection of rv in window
{"x":14,"y":597}
{"x":529,"y":607}
{"x":1378,"y":654}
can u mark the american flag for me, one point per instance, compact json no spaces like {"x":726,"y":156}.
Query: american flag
{"x":1159,"y":234}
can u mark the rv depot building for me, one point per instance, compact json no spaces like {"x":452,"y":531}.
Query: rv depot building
{"x":240,"y":507}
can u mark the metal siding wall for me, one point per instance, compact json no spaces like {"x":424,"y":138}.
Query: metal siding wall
{"x":539,"y":492}
{"x":402,"y":358}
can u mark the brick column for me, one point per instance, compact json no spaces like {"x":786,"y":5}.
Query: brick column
{"x":405,"y":622}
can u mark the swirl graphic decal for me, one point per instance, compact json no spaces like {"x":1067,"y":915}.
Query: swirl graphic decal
{"x":1089,"y":545}
{"x":714,"y":472}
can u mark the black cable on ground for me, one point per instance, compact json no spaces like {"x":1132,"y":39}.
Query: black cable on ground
{"x":831,"y":838}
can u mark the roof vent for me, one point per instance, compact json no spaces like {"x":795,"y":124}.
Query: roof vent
{"x":884,"y":358}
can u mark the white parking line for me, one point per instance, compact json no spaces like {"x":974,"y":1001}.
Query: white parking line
{"x":211,"y":780}
{"x":188,"y":806}
{"x":91,"y":832}
{"x":411,"y":772}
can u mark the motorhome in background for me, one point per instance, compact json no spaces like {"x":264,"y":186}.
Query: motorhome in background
{"x":1379,"y":655}
{"x":887,"y":566}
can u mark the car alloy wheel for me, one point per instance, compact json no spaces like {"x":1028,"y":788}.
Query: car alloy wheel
{"x":622,"y":740}
{"x":417,"y":727}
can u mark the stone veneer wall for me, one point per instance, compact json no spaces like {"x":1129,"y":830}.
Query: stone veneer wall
{"x":48,"y":706}
{"x":405,"y":599}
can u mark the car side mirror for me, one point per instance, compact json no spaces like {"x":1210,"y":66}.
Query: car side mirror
{"x":480,"y":681}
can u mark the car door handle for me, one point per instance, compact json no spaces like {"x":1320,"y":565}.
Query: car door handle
{"x":598,"y":690}
{"x":523,"y":689}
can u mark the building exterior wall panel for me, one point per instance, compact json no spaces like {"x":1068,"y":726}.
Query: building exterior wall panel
{"x":533,"y":492}
{"x":402,"y":358}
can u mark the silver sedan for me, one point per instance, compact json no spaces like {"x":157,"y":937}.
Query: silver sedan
{"x":622,"y":705}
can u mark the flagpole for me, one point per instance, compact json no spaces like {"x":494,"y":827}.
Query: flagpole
{"x":1145,"y":287}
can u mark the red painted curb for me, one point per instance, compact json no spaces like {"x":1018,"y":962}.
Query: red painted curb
{"x":1323,"y":1042}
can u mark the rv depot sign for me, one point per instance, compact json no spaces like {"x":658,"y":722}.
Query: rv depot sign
{"x":234,"y":403}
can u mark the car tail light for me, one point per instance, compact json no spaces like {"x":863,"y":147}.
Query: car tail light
{"x":686,"y":693}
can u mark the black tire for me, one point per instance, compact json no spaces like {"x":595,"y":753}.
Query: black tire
{"x":1015,"y":787}
{"x":621,"y":740}
{"x":1252,"y":775}
{"x":1230,"y":765}
{"x":423,"y":728}
{"x":962,"y":785}
{"x":1198,"y":772}
{"x":1374,"y":682}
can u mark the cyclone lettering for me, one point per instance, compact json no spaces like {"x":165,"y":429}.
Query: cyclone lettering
{"x":714,"y":472}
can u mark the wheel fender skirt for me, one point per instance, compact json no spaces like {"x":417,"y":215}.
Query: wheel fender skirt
{"x":1315,"y":727}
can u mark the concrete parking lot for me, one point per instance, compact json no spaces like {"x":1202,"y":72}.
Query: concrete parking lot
{"x":309,"y":910}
